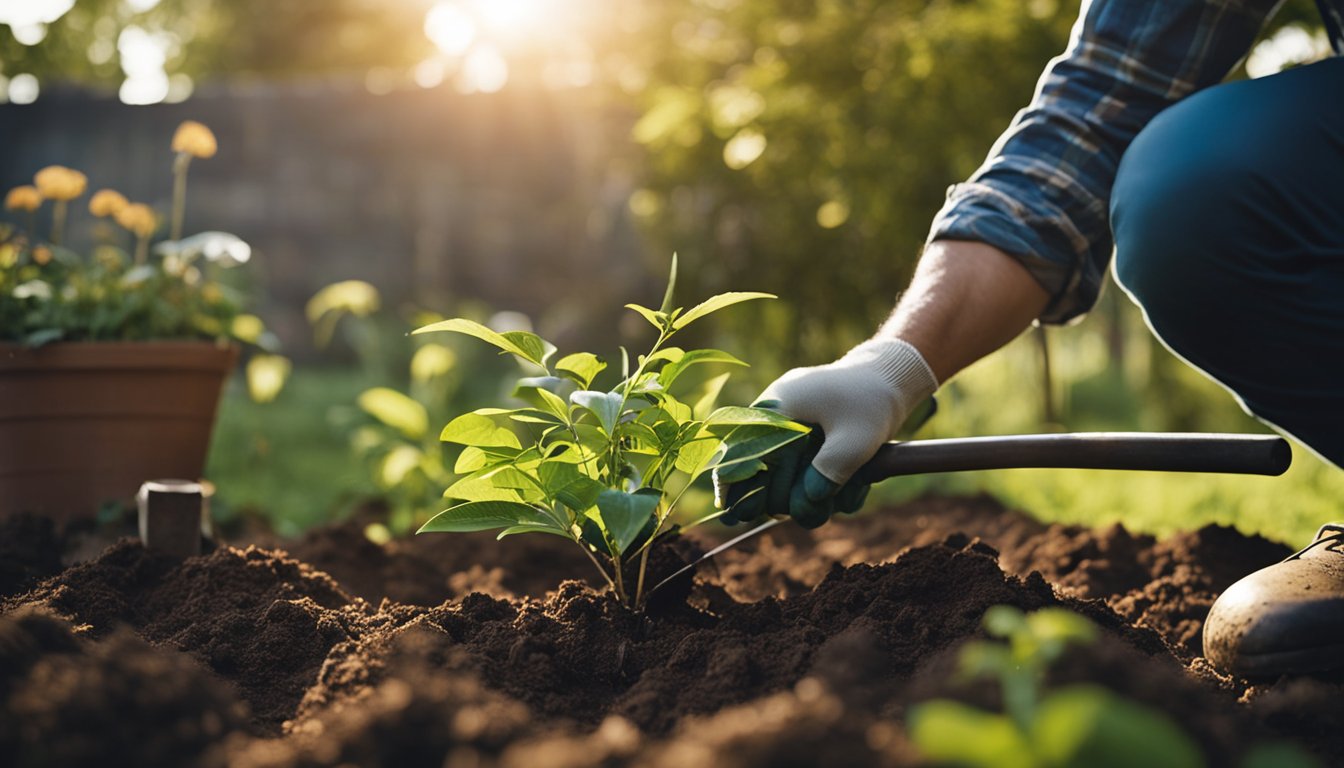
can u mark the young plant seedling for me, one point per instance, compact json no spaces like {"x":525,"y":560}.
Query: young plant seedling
{"x":1075,"y":725}
{"x":604,"y":468}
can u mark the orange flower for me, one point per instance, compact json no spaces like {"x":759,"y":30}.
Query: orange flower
{"x":193,"y":138}
{"x":56,"y":182}
{"x":106,"y":202}
{"x":138,"y":218}
{"x":42,"y":254}
{"x":25,"y":198}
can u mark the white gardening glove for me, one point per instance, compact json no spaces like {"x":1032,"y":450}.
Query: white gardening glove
{"x":857,"y":402}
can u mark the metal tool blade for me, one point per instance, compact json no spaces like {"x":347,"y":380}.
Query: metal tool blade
{"x":729,"y":544}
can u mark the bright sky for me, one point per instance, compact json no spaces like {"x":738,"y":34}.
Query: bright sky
{"x":477,"y":38}
{"x":477,"y":41}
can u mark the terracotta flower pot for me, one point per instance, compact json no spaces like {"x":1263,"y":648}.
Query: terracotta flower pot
{"x":85,"y":423}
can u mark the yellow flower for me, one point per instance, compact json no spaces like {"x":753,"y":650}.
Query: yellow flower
{"x":106,"y":202}
{"x":42,"y":254}
{"x":194,"y":139}
{"x":25,"y":198}
{"x":56,"y":182}
{"x":138,"y":218}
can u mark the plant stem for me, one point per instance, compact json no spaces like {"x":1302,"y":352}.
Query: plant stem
{"x":179,"y":193}
{"x":620,"y":580}
{"x":600,"y":569}
{"x":614,"y":457}
{"x":643,"y":566}
{"x":141,"y":249}
{"x":58,"y":211}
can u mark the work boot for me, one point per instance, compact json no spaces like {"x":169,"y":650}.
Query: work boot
{"x":1284,"y":619}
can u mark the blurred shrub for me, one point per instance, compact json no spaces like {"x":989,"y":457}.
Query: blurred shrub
{"x":803,"y":147}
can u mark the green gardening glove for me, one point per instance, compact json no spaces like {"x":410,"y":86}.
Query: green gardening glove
{"x":855,"y":405}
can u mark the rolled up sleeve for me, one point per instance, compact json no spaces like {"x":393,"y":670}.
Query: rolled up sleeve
{"x":1043,"y":194}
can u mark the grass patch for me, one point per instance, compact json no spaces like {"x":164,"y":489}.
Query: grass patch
{"x":1001,"y":395}
{"x":289,"y":461}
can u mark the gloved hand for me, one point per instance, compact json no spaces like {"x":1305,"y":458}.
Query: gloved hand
{"x":855,"y":403}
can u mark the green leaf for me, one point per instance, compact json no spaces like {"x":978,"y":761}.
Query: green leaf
{"x":397,"y":464}
{"x":552,"y":404}
{"x":473,"y":458}
{"x":644,"y":439}
{"x":518,"y":480}
{"x":535,"y":416}
{"x":1003,"y":620}
{"x":527,"y":346}
{"x":751,"y":442}
{"x":677,"y":410}
{"x":606,"y":406}
{"x":593,"y":439}
{"x":533,"y":528}
{"x":1280,"y":754}
{"x":625,"y":514}
{"x":1060,"y":625}
{"x":568,"y":485}
{"x":583,"y":367}
{"x":714,"y":304}
{"x":656,"y":319}
{"x":536,"y":349}
{"x":396,"y":410}
{"x":671,"y":287}
{"x":1089,"y":725}
{"x":736,"y":415}
{"x":478,"y":486}
{"x":675,"y":368}
{"x":483,"y":516}
{"x":709,"y":393}
{"x":561,"y":479}
{"x":480,"y":431}
{"x":951,"y":732}
{"x":43,"y":336}
{"x":694,"y":453}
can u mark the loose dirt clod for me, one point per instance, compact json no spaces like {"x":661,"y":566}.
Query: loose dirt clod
{"x":796,"y":650}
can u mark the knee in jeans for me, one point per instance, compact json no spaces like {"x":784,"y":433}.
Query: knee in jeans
{"x":1173,"y":194}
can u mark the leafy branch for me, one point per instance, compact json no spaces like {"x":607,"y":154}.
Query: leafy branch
{"x":600,"y":466}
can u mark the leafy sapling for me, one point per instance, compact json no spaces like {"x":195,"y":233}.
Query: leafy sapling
{"x":603,"y":467}
{"x":1073,"y":725}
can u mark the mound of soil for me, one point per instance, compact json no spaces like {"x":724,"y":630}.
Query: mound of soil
{"x":796,"y":649}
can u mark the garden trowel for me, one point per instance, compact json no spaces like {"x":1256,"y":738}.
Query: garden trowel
{"x":1160,"y":452}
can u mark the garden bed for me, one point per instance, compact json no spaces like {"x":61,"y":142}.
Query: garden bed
{"x":797,"y":649}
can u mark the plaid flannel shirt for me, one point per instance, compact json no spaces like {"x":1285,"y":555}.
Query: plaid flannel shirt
{"x":1043,"y":194}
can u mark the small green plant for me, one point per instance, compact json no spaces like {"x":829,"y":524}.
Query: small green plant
{"x":1076,"y":725}
{"x":604,"y":467}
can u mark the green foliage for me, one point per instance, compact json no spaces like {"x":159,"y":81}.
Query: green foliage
{"x":1071,"y":726}
{"x":1078,"y":725}
{"x":604,"y":468}
{"x":806,"y":146}
{"x":49,"y":293}
{"x":285,"y":463}
{"x":403,"y":457}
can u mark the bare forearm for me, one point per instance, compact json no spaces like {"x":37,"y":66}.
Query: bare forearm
{"x":966,"y":300}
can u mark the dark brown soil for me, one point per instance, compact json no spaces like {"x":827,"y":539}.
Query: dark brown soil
{"x":797,"y":649}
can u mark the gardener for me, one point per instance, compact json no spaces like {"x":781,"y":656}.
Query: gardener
{"x":1226,"y":209}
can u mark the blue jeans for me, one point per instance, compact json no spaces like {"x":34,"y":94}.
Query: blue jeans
{"x":1228,"y":214}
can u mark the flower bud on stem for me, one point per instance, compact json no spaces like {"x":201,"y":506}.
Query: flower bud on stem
{"x":180,"y":166}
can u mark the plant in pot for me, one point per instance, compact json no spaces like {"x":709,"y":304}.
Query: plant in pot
{"x":112,"y":362}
